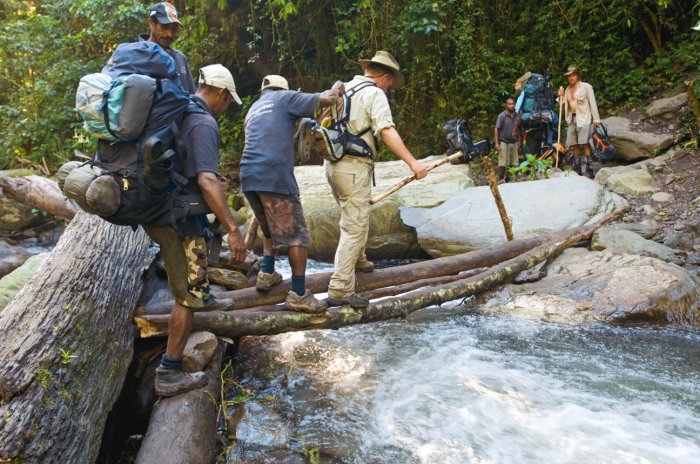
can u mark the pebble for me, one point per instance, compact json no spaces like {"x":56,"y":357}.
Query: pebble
{"x":662,"y":197}
{"x":649,"y":210}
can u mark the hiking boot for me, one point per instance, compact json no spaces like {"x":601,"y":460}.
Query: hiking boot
{"x":171,"y":382}
{"x":267,"y":281}
{"x":307,"y":303}
{"x":353,"y":300}
{"x":363,"y":265}
{"x":214,"y":304}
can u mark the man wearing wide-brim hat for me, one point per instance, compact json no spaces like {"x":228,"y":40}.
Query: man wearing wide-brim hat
{"x":581,"y":115}
{"x":350,"y":178}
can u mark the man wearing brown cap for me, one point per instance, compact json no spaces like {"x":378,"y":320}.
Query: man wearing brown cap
{"x":164,"y":26}
{"x":581,"y":112}
{"x":350,"y":178}
{"x":185,"y":250}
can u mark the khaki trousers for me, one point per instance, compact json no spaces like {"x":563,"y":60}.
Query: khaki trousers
{"x":351,"y":182}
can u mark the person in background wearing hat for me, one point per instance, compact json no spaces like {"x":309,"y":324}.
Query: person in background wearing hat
{"x":350,"y":178}
{"x":185,"y":255}
{"x":164,"y":27}
{"x":268,"y":182}
{"x":581,"y":111}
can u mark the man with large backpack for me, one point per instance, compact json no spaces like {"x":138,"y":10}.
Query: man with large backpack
{"x":581,"y":114}
{"x":185,"y":250}
{"x":164,"y":27}
{"x":267,"y":181}
{"x":350,"y":177}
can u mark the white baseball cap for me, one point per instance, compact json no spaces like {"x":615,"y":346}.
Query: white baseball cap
{"x":218,"y":76}
{"x":273,"y":80}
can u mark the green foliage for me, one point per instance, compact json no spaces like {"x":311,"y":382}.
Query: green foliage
{"x":534,"y":167}
{"x":460,"y":58}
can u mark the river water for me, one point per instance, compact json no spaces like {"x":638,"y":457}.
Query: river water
{"x":452,"y":385}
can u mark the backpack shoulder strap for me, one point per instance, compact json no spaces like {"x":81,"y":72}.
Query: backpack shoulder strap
{"x":347,"y":99}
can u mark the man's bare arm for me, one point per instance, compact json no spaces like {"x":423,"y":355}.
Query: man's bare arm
{"x":329,"y":97}
{"x":214,"y":196}
{"x":393,"y":140}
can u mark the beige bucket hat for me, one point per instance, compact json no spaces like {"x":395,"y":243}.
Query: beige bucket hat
{"x":385,"y":59}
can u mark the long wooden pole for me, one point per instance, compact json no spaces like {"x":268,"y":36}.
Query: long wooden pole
{"x":493,"y":183}
{"x":408,"y":180}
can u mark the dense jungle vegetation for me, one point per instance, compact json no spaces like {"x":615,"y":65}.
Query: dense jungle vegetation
{"x":460,"y":58}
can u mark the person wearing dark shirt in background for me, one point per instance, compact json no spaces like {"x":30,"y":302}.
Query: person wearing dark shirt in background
{"x":506,"y":137}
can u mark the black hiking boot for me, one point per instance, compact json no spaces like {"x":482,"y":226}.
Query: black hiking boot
{"x":170,"y":382}
{"x":353,"y":300}
{"x":215,"y":304}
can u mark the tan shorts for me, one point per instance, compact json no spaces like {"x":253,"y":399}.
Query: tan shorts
{"x":281,"y":218}
{"x":507,"y":154}
{"x":578,"y":135}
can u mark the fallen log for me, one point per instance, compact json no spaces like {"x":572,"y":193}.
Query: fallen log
{"x":40,"y":193}
{"x":250,"y":297}
{"x":269,"y":320}
{"x":407,"y":287}
{"x":66,"y":341}
{"x":183,"y":428}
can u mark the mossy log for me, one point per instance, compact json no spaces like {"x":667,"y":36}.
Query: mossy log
{"x":40,"y":193}
{"x":183,"y":428}
{"x":449,"y":265}
{"x":66,"y":341}
{"x":270,"y":320}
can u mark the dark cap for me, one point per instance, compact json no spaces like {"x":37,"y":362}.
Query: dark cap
{"x":164,"y":13}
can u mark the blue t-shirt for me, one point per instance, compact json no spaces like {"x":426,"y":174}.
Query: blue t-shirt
{"x":267,"y":164}
{"x":199,"y":133}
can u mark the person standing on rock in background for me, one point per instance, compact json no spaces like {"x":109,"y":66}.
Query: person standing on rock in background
{"x":581,"y":113}
{"x":350,"y":177}
{"x":185,"y":250}
{"x":269,"y":185}
{"x":164,"y":27}
{"x":506,"y":137}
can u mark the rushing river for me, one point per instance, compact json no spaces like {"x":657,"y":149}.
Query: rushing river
{"x":451,"y":385}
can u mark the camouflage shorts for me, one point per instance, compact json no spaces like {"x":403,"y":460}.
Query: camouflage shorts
{"x":185,"y":263}
{"x":280,"y":217}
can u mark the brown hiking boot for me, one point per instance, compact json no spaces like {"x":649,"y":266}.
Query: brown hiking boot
{"x":307,"y":303}
{"x":363,"y":265}
{"x":215,"y":304}
{"x":170,"y":382}
{"x":267,"y":281}
{"x":353,"y":300}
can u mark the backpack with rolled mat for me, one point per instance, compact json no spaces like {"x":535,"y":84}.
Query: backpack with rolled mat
{"x":134,"y":107}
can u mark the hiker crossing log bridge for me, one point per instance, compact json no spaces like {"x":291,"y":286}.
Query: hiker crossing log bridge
{"x":507,"y":261}
{"x":66,"y":341}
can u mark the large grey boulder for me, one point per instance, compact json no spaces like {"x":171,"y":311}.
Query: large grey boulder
{"x":627,"y":180}
{"x":470,"y":220}
{"x":631,"y":144}
{"x":627,"y":242}
{"x":583,"y":286}
{"x":388,"y":236}
{"x":666,"y":105}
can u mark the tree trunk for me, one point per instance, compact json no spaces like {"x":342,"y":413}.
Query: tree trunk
{"x":183,"y":428}
{"x":66,"y":341}
{"x":407,"y":287}
{"x":40,"y":193}
{"x":270,"y":320}
{"x":493,"y":184}
{"x":250,"y":297}
{"x":693,"y":101}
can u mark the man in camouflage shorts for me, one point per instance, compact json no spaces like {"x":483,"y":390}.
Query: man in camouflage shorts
{"x":184,"y":250}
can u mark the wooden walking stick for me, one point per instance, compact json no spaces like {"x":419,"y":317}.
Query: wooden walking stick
{"x":493,"y":183}
{"x":558,"y":145}
{"x":408,"y":180}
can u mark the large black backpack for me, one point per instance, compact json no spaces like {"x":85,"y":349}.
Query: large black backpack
{"x":135,"y":182}
{"x":538,"y":100}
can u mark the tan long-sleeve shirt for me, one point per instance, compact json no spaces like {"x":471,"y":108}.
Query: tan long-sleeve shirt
{"x":586,"y":108}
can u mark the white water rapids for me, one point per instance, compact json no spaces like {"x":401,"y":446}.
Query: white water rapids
{"x":451,"y":385}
